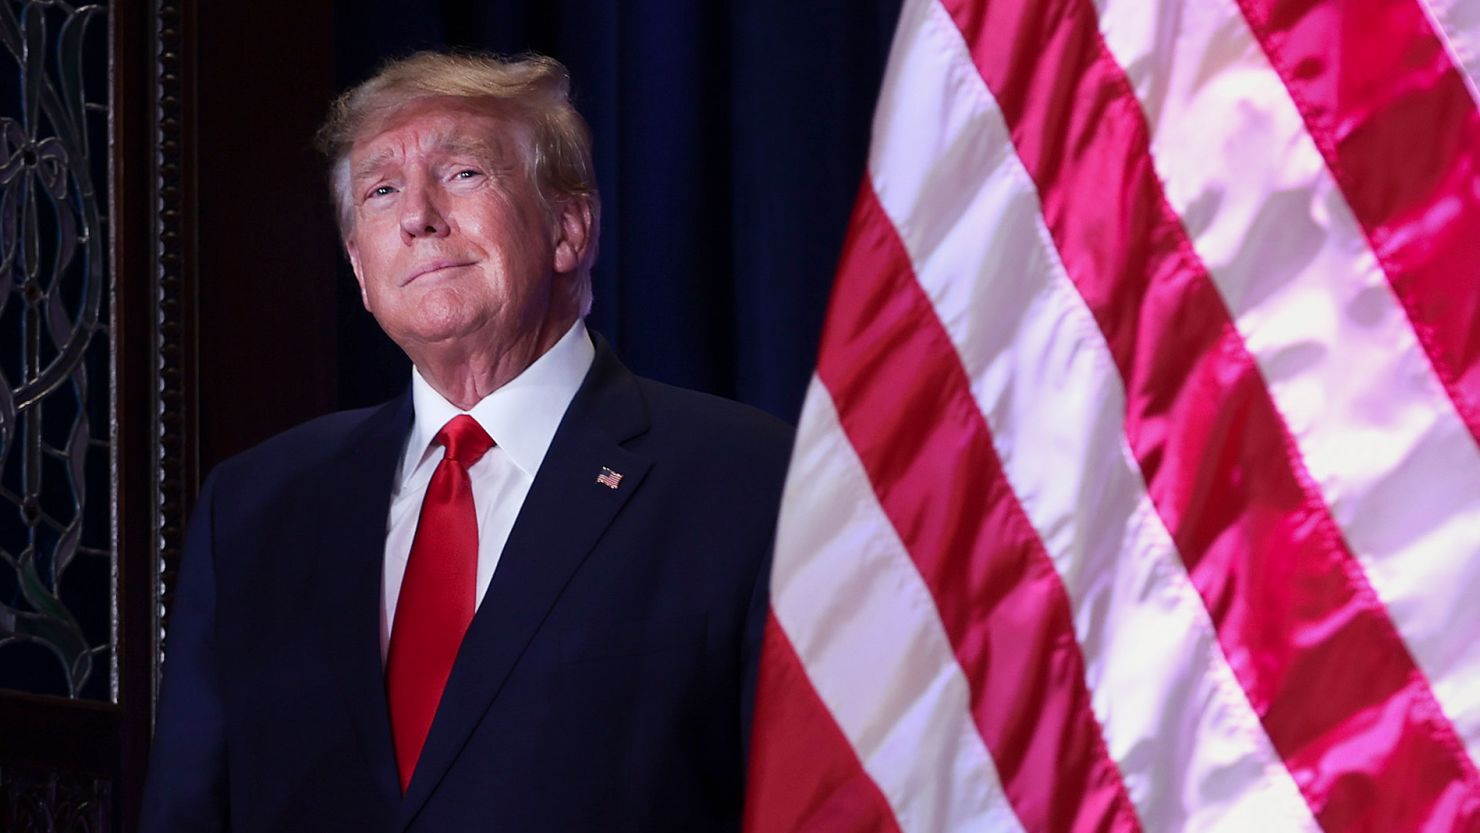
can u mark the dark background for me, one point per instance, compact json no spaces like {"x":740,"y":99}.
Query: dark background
{"x":730,"y":139}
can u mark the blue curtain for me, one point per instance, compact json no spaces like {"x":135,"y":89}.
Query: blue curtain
{"x":731,"y":138}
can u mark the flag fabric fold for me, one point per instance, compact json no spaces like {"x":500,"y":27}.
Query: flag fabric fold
{"x":1138,"y":486}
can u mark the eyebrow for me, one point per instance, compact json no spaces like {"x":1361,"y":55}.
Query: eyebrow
{"x":451,"y":146}
{"x":370,"y":165}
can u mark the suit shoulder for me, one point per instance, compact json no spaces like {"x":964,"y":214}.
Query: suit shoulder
{"x":694,"y":425}
{"x":708,"y":414}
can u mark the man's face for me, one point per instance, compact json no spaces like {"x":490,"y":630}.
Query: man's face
{"x":451,"y":243}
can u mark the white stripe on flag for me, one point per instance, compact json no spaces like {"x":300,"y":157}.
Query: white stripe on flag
{"x":865,"y":627}
{"x":1174,"y":717}
{"x":1457,"y":23}
{"x":1368,"y":414}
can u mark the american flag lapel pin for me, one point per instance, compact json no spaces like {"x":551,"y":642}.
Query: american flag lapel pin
{"x":609,"y":478}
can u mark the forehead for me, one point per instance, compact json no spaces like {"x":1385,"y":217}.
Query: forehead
{"x":436,"y":125}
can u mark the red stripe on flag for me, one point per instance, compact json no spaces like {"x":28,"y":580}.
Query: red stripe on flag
{"x":905,"y":403}
{"x":804,"y":775}
{"x":1338,"y":693}
{"x":1392,"y":116}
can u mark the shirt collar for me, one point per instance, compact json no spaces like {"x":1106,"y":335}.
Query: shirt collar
{"x":521,"y":416}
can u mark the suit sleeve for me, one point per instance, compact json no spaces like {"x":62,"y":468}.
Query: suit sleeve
{"x":755,"y":630}
{"x":185,"y":789}
{"x":760,"y":598}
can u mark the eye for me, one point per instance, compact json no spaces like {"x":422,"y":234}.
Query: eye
{"x":466,"y":174}
{"x":380,"y":191}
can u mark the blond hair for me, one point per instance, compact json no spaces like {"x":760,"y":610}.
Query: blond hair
{"x":534,"y":90}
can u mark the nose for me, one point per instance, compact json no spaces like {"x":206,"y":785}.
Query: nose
{"x":421,"y":216}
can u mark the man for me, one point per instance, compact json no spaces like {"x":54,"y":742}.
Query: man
{"x":527,"y":595}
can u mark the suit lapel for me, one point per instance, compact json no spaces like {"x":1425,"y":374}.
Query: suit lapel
{"x":356,"y":491}
{"x":563,"y":517}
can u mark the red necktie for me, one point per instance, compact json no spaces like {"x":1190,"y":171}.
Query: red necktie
{"x":436,"y":600}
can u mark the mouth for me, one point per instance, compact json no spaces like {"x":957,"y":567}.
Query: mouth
{"x":433,"y":267}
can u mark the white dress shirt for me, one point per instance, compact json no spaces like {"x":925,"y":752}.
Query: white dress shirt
{"x":521,"y":417}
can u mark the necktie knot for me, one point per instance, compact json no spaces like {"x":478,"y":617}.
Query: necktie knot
{"x":464,"y":439}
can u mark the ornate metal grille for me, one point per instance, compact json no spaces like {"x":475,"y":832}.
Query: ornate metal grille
{"x":58,"y":586}
{"x":51,"y":802}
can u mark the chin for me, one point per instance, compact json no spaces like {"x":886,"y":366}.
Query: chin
{"x":443,"y":316}
{"x":442,"y":332}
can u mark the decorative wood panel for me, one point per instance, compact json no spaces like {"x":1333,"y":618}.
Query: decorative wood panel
{"x":95,"y":391}
{"x":36,"y":801}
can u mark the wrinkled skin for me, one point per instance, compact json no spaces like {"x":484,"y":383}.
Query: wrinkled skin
{"x":457,"y":254}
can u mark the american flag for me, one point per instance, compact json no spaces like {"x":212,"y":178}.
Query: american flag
{"x":1138,"y":485}
{"x":609,"y":478}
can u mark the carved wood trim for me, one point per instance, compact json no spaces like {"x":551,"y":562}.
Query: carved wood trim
{"x":48,"y":801}
{"x":174,"y":296}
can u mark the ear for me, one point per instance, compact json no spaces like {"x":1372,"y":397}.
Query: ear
{"x":354,"y":263}
{"x":573,"y":234}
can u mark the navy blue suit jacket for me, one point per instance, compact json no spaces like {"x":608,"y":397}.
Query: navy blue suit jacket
{"x":604,"y":683}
